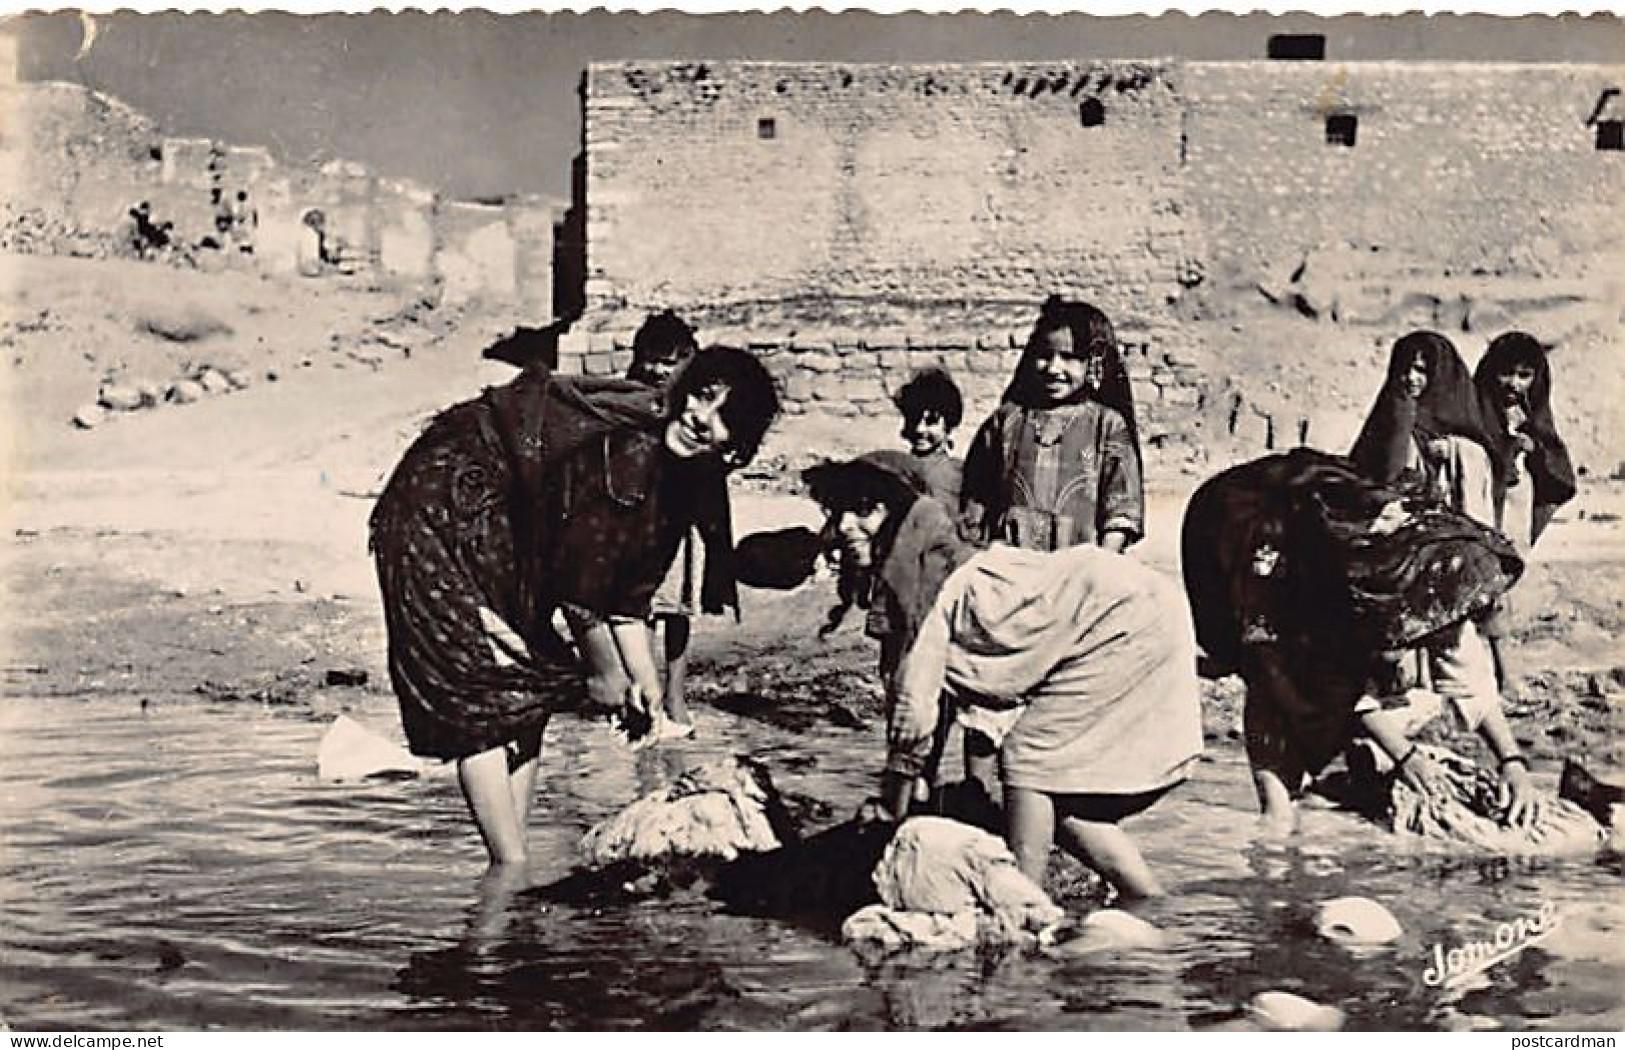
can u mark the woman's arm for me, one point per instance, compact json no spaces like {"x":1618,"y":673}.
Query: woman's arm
{"x":1517,"y":789}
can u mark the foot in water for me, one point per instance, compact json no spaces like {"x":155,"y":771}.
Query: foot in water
{"x":662,"y":729}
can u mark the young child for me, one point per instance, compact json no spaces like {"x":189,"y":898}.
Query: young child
{"x":1514,"y":382}
{"x":1057,"y":464}
{"x":932,"y":409}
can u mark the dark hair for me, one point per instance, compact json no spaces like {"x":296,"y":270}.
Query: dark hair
{"x":876,"y":479}
{"x":1092,"y":335}
{"x":1091,"y":329}
{"x":753,"y":399}
{"x":660,"y":335}
{"x":931,"y":390}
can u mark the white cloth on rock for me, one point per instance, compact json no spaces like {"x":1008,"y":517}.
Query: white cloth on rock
{"x":962,"y":876}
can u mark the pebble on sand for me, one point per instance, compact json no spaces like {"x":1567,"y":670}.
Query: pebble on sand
{"x":1356,"y":921}
{"x":120,"y":397}
{"x":1285,"y":1012}
{"x":184,"y":392}
{"x":89,"y":417}
{"x":213,"y":381}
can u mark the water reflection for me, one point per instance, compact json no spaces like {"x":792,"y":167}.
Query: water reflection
{"x":187,"y":870}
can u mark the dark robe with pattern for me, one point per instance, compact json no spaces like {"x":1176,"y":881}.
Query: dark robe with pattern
{"x":538,"y":493}
{"x":1362,"y":569}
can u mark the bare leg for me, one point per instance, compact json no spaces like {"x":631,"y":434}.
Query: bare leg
{"x":1108,"y":849}
{"x":1030,"y":829}
{"x":1279,"y":814}
{"x":522,"y":777}
{"x":676,"y":630}
{"x":485,"y":783}
{"x":1273,"y":767}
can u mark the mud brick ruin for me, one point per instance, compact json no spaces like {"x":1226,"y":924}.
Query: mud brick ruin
{"x":850,"y":222}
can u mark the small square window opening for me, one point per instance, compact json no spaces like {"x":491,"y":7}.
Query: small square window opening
{"x":1341,"y":129}
{"x":767,"y":128}
{"x":1611,"y":134}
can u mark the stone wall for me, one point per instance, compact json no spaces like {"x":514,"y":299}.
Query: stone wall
{"x":846,"y":220}
{"x":76,"y":161}
{"x":776,"y":195}
{"x":1455,"y":169}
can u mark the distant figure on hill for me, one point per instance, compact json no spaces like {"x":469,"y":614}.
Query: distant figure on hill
{"x":313,"y":248}
{"x":245,"y":223}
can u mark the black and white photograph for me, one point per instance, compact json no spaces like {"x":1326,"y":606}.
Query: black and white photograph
{"x":729,"y":521}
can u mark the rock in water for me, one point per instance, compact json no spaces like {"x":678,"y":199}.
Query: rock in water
{"x":721,"y":809}
{"x":1110,"y":930}
{"x":350,"y":751}
{"x":1357,"y":921}
{"x":1285,"y":1012}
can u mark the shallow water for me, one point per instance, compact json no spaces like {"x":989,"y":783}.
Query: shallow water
{"x":180,"y":867}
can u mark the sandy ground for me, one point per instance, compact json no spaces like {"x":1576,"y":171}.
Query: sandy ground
{"x":219,"y":548}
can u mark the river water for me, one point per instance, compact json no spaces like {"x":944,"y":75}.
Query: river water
{"x":177,"y":865}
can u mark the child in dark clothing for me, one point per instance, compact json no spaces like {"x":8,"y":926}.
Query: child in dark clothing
{"x":932,"y":408}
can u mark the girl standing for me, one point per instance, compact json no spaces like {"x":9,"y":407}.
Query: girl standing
{"x":1514,"y":382}
{"x":1058,"y":462}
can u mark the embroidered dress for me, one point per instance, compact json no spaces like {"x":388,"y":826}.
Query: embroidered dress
{"x":1048,"y":478}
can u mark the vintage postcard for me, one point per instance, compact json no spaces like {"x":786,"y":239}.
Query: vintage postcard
{"x":811,"y":521}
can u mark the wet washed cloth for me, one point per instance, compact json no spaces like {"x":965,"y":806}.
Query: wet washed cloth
{"x":1471,"y":815}
{"x":1300,"y":572}
{"x":1094,"y":647}
{"x":718,"y":810}
{"x":944,"y":885}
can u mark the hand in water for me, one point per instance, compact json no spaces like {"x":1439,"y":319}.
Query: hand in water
{"x":873,"y":811}
{"x":1426,"y":777}
{"x":1518,"y":797}
{"x":636,"y":719}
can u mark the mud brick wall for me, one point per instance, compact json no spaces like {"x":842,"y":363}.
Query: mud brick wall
{"x":1456,"y":168}
{"x":842,"y":373}
{"x":774,"y":196}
